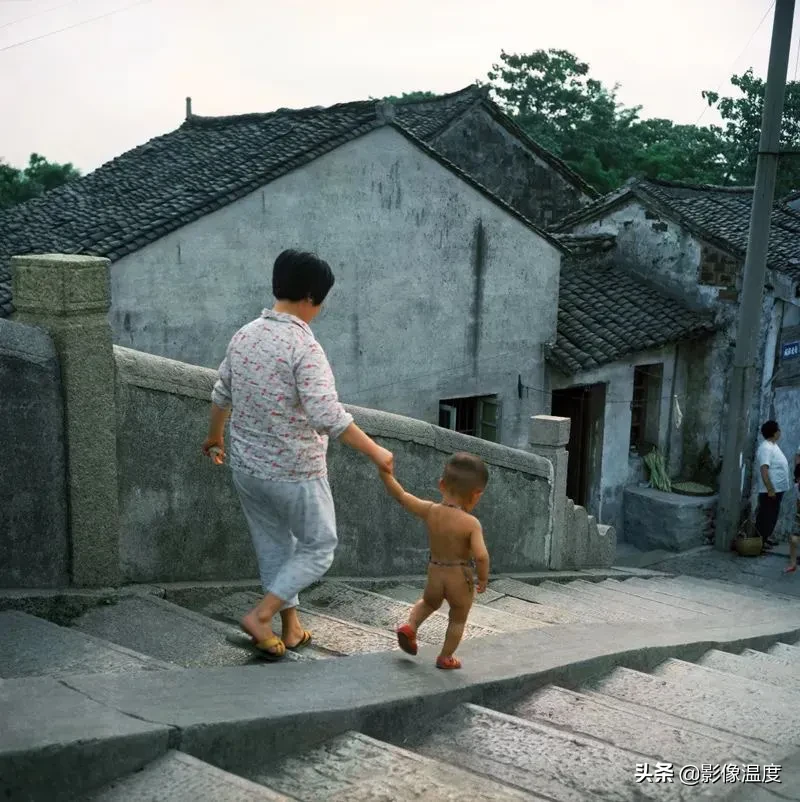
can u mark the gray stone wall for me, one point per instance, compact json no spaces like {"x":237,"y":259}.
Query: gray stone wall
{"x":490,"y":153}
{"x":180,"y":518}
{"x":33,"y":506}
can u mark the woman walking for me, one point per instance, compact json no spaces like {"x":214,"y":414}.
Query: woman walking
{"x":773,"y":481}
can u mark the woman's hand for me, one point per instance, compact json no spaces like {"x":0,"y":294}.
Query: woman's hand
{"x":384,"y":459}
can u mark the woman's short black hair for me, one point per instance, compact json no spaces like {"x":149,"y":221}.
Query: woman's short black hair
{"x":301,"y":276}
{"x":770,"y":429}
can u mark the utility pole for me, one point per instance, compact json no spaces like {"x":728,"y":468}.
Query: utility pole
{"x":743,"y":379}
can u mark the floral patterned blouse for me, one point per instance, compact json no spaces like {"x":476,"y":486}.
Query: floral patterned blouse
{"x":277,"y":380}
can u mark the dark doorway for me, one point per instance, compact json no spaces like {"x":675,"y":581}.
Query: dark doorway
{"x":584,"y":406}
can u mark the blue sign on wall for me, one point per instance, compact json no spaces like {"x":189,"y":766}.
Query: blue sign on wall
{"x":790,"y":350}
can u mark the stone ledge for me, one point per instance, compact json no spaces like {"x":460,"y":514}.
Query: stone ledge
{"x":226,"y":716}
{"x":152,"y":372}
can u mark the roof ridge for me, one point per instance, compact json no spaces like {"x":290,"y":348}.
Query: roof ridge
{"x":307,"y":111}
{"x":738,"y":189}
{"x":419,"y":101}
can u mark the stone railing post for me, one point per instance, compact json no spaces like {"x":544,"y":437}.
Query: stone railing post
{"x":548,"y":438}
{"x":69,"y":297}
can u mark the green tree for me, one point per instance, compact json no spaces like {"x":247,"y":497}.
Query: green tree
{"x":18,"y":186}
{"x":741,"y":115}
{"x":552,"y":96}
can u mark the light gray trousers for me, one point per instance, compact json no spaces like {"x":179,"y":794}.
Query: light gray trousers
{"x":293,"y":527}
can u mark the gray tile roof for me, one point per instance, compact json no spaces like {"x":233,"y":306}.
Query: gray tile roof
{"x":718,"y":215}
{"x":606,"y":312}
{"x":207,"y":163}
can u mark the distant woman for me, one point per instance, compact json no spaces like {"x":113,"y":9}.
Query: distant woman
{"x":773,"y":480}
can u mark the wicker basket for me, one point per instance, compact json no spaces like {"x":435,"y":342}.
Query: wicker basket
{"x":749,"y":546}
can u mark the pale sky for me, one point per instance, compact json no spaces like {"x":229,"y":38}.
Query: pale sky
{"x":88,"y":94}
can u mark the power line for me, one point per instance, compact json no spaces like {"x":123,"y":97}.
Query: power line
{"x":76,"y":25}
{"x":37,"y":14}
{"x":744,"y":50}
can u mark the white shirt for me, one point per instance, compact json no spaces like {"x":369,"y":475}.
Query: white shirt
{"x":770,"y":454}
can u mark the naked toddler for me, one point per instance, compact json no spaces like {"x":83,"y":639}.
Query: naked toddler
{"x":456,"y":544}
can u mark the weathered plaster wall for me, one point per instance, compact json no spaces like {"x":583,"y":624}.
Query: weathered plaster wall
{"x":180,"y":517}
{"x":619,"y":466}
{"x":33,"y":500}
{"x":439,"y":293}
{"x":486,"y":150}
{"x":656,"y":247}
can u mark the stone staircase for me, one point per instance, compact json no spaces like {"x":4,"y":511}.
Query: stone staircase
{"x":556,"y":742}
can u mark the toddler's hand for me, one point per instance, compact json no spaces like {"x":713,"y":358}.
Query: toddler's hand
{"x":215,"y":449}
{"x":480,"y":587}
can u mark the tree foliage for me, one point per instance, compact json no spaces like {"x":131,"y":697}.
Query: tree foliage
{"x":17,"y":186}
{"x":552,"y":96}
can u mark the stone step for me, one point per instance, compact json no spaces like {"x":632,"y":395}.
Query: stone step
{"x":550,"y":595}
{"x":694,"y":590}
{"x":364,"y":607}
{"x":573,"y":599}
{"x":356,"y":768}
{"x":767,"y":672}
{"x":659,"y":736}
{"x":559,"y":765}
{"x":642,"y":591}
{"x":484,"y":615}
{"x":783,"y":651}
{"x":740,"y":590}
{"x":785,"y":703}
{"x":522,"y":598}
{"x":164,"y":630}
{"x":625,"y":602}
{"x":33,"y":647}
{"x":179,"y":777}
{"x":728,"y":598}
{"x":332,"y":636}
{"x":767,"y":659}
{"x":711,"y":706}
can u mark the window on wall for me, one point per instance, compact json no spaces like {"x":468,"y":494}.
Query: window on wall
{"x":646,"y":407}
{"x":478,"y":416}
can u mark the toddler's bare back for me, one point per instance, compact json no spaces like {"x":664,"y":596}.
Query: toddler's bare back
{"x":449,"y":531}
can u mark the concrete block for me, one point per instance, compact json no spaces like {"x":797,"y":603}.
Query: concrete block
{"x":658,"y":520}
{"x":57,"y":744}
{"x":714,"y":707}
{"x":659,"y":736}
{"x":332,"y":636}
{"x":33,"y":502}
{"x":602,"y":545}
{"x":549,"y":431}
{"x":31,"y":647}
{"x":356,"y":768}
{"x":168,"y":632}
{"x":179,"y":777}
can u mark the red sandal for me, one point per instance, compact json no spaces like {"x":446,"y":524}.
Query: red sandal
{"x":407,"y":639}
{"x":448,"y":662}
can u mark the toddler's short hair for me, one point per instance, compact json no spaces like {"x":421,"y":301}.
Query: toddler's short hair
{"x":298,"y":275}
{"x":465,"y":473}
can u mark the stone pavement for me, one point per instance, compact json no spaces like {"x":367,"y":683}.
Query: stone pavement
{"x":587,"y":679}
{"x":764,"y":572}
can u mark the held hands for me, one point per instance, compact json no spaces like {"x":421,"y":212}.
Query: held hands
{"x":214,"y":447}
{"x":384,"y":460}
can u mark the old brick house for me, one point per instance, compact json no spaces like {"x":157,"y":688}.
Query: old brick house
{"x":430,"y":213}
{"x":687,"y":244}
